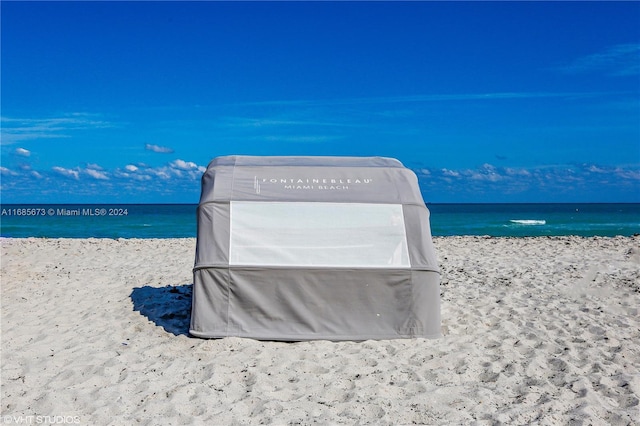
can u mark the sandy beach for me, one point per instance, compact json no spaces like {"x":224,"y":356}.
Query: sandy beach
{"x":536,"y":331}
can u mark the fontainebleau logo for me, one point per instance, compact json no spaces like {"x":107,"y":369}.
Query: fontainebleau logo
{"x":310,"y":184}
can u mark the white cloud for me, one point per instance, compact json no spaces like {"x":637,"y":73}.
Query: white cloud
{"x":162,"y":173}
{"x":628,"y":174}
{"x":158,"y":148}
{"x":184,"y":165}
{"x":75,"y":174}
{"x":516,"y":172}
{"x":178,"y":171}
{"x":491,"y":177}
{"x":36,"y":175}
{"x":23,"y":152}
{"x":487,"y":172}
{"x":7,"y":172}
{"x":451,"y":173}
{"x":595,"y":169}
{"x":489,"y":167}
{"x":96,"y":174}
{"x":189,"y":166}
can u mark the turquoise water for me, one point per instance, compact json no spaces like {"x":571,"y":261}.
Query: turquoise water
{"x":179,"y":220}
{"x":519,"y":220}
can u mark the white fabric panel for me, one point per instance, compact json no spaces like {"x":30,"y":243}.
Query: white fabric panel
{"x":307,"y":234}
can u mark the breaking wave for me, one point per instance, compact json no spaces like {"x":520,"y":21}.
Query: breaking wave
{"x":528,"y":221}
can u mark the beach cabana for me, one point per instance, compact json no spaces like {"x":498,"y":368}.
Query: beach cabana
{"x":305,"y":248}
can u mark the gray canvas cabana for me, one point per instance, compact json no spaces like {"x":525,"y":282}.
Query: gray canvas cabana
{"x":305,"y":248}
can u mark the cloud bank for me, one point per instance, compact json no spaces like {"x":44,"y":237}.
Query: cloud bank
{"x":179,"y":181}
{"x":553,"y":183}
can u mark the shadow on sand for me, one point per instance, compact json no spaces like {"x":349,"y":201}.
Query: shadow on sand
{"x":168,"y":307}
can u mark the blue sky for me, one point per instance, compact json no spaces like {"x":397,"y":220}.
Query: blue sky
{"x":487,"y":101}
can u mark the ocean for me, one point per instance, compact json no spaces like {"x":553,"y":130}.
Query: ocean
{"x":179,"y":220}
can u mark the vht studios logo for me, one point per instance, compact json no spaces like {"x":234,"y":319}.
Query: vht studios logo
{"x":310,"y":184}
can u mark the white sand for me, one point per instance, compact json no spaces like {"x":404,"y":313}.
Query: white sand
{"x":537,"y":330}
